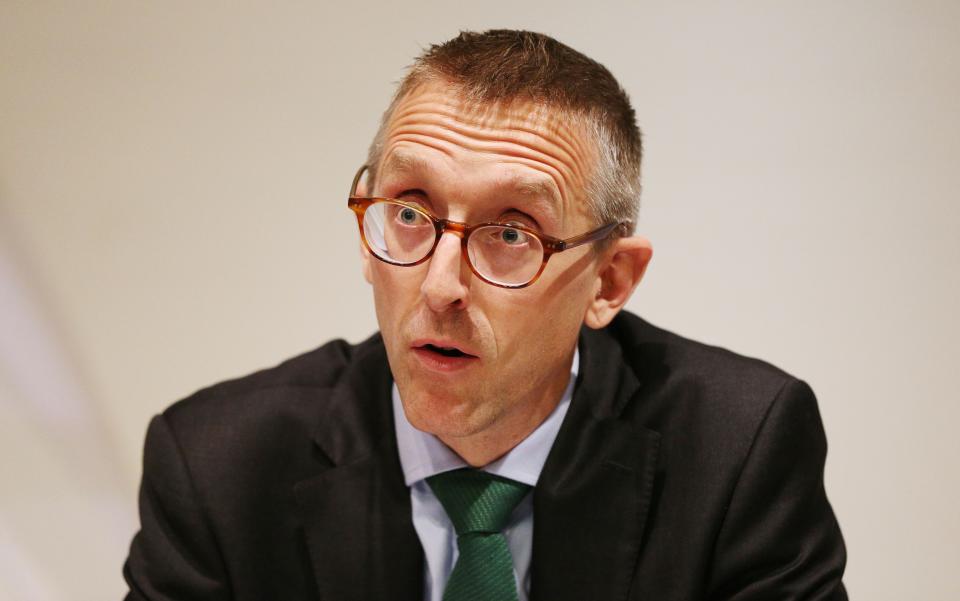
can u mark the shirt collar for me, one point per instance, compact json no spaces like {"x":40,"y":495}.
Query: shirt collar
{"x":423,"y":455}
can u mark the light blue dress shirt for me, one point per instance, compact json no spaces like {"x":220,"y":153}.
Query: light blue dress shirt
{"x":423,"y":455}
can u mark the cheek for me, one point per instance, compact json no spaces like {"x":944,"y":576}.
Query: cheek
{"x":392,"y":285}
{"x":388,"y":294}
{"x":533,"y":327}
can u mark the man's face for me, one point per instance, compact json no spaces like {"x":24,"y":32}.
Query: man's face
{"x":513,"y":352}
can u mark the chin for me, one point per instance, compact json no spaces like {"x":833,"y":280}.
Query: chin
{"x":444,"y":418}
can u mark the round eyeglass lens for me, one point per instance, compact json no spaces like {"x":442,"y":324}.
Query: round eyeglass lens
{"x":398,"y":233}
{"x":504,"y":254}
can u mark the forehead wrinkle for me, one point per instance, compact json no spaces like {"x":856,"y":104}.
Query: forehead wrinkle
{"x":518,"y":112}
{"x":476,"y":120}
{"x":436,"y":135}
{"x":519,"y":134}
{"x":442,"y":111}
{"x":565,"y":140}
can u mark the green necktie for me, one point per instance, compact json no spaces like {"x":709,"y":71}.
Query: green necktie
{"x":479,"y":505}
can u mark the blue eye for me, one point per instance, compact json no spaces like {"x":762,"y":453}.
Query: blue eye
{"x":408,"y":216}
{"x":512,"y":236}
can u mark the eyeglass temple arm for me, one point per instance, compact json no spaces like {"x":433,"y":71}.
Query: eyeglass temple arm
{"x":356,"y":180}
{"x":597,"y":234}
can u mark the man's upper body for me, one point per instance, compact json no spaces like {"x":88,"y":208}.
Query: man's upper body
{"x":681,"y":471}
{"x":497,"y":214}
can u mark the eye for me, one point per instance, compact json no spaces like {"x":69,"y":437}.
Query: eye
{"x":513,"y":237}
{"x":408,"y":216}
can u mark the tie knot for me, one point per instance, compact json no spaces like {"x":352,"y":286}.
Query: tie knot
{"x":477,"y":501}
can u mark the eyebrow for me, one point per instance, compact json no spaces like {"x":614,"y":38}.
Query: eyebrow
{"x":404,"y":162}
{"x":540,"y":192}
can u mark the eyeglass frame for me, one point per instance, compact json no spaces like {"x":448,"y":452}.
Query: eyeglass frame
{"x":549,"y":244}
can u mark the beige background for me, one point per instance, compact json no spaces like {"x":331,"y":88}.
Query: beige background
{"x":172,"y":212}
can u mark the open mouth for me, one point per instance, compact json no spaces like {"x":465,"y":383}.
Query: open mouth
{"x":445,"y":351}
{"x":440,"y":358}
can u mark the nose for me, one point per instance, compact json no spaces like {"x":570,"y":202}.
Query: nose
{"x":444,"y":287}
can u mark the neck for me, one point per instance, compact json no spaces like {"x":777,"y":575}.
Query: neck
{"x":486,"y":447}
{"x":489,"y":444}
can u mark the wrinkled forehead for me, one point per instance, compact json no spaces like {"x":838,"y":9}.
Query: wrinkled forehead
{"x":518,"y":111}
{"x":440,"y":120}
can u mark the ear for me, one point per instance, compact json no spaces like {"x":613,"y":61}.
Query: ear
{"x":624,"y":265}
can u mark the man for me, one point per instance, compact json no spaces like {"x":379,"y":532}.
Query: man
{"x":510,"y":433}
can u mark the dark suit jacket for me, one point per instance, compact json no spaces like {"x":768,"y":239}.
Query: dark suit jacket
{"x":682,"y":471}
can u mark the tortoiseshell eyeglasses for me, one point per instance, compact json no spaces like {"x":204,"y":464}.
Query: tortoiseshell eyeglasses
{"x":509,"y":255}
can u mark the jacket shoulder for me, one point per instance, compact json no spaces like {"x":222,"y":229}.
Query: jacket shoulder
{"x":691,"y":391}
{"x":738,"y":488}
{"x":286,"y":395}
{"x":659,"y":356}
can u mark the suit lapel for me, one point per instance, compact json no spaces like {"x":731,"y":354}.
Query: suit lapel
{"x":356,"y":514}
{"x":591,"y":502}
